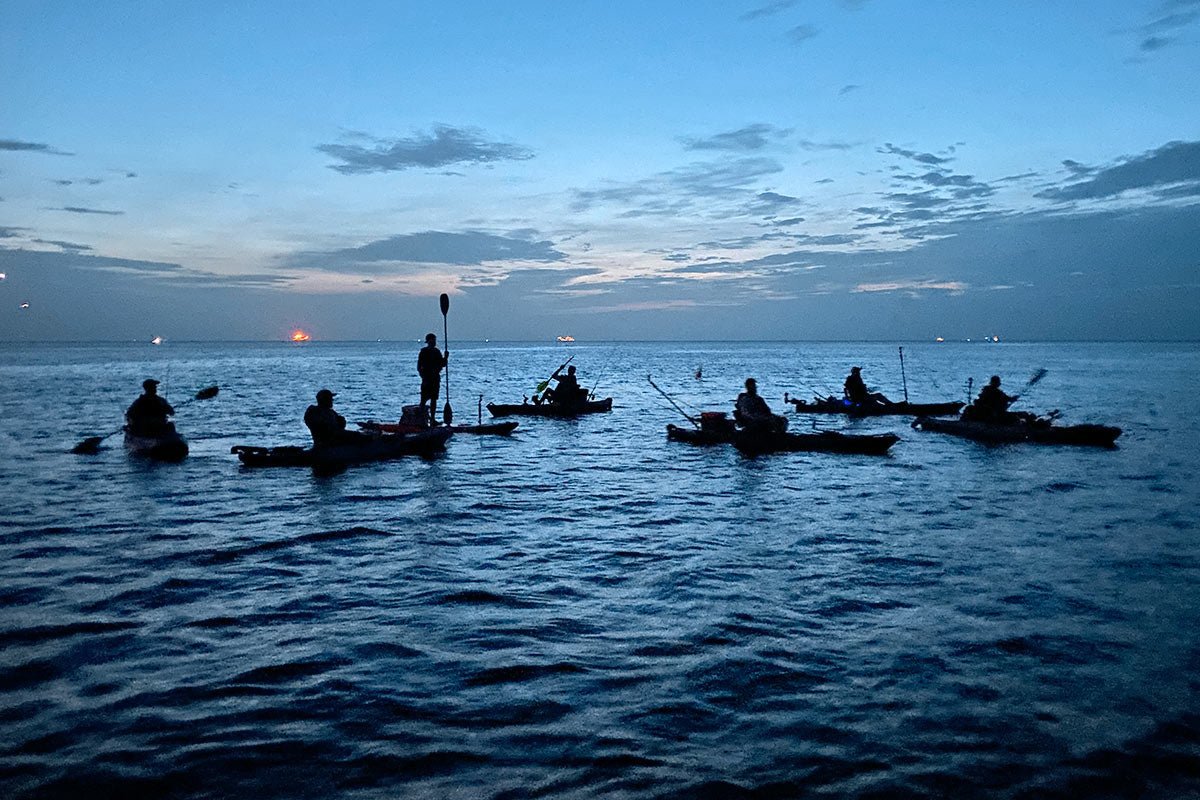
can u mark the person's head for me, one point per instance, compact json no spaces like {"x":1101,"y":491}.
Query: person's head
{"x":751,"y":385}
{"x":150,"y":386}
{"x":571,"y":370}
{"x":855,"y":370}
{"x":325,"y":398}
{"x":431,"y":338}
{"x":995,"y":381}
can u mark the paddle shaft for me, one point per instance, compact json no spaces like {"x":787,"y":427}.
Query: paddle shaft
{"x":447,"y":411}
{"x":903,"y":377}
{"x":541,"y":387}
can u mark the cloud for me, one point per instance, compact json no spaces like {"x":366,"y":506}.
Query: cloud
{"x":9,"y":232}
{"x":768,"y":10}
{"x":443,"y":146}
{"x":1173,"y":163}
{"x":747,"y":139}
{"x":921,"y":158}
{"x":954,"y":287}
{"x":676,"y":191}
{"x":82,"y":210}
{"x":802,"y":33}
{"x":1169,"y":19}
{"x":848,"y":88}
{"x":469,"y":248}
{"x":64,"y":245}
{"x":768,"y":203}
{"x":808,"y":144}
{"x":30,"y":147}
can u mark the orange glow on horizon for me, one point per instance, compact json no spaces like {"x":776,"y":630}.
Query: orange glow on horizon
{"x":300,"y":336}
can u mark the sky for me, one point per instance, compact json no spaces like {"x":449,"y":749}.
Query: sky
{"x":758,"y":170}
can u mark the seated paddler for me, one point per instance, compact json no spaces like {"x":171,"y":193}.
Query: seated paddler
{"x":856,"y":390}
{"x":752,"y":412}
{"x":327,"y":426}
{"x":992,"y":404}
{"x":148,"y":415}
{"x":568,"y":392}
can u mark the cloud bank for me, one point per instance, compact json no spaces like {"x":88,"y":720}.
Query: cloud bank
{"x":443,"y":146}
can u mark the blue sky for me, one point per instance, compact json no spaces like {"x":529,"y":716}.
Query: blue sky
{"x":818,"y":169}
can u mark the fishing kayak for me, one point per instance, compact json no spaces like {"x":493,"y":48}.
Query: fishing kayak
{"x":485,"y":429}
{"x":549,"y":409}
{"x":166,"y":446}
{"x":1037,"y":432}
{"x":833,"y":405}
{"x":698,"y":435}
{"x":758,"y":442}
{"x":714,"y":428}
{"x":377,"y":448}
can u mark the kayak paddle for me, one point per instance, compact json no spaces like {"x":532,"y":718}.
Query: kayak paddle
{"x":447,"y":411}
{"x":91,"y":445}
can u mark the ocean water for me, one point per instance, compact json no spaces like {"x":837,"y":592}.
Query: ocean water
{"x":585,"y":609}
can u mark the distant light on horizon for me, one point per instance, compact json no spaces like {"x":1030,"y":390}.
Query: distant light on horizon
{"x":300,"y":336}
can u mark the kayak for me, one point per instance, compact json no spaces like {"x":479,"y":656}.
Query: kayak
{"x":1038,"y":432}
{"x":377,"y":448}
{"x":550,"y":409}
{"x":833,"y":405}
{"x":758,"y":442}
{"x":698,"y":435}
{"x":485,"y":429}
{"x":714,"y":427}
{"x":167,"y":446}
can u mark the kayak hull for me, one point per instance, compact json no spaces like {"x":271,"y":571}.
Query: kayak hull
{"x":550,"y":409}
{"x":169,"y":447}
{"x":1077,"y":435}
{"x":379,"y":448}
{"x":698,"y":436}
{"x":483,"y":429}
{"x":755,"y":443}
{"x":832,"y":405}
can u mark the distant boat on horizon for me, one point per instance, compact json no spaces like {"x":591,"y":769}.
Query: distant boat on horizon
{"x":566,"y":338}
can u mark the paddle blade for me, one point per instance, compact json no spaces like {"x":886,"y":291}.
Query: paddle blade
{"x":208,"y":393}
{"x":445,"y":301}
{"x":447,"y":411}
{"x":88,"y":447}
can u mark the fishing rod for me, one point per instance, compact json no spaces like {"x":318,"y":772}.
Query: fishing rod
{"x":903,"y":377}
{"x":686,"y":415}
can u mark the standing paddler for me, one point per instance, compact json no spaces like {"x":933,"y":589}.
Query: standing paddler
{"x":430,"y":363}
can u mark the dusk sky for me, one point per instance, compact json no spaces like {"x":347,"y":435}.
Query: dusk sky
{"x":817,"y":169}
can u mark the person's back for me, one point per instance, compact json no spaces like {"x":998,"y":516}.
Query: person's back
{"x":148,"y":414}
{"x":430,"y":362}
{"x":855,"y":388}
{"x":992,"y":404}
{"x":751,"y":411}
{"x":568,"y":391}
{"x":326,"y":425}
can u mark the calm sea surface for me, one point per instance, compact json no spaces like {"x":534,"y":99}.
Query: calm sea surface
{"x":586,"y":609}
